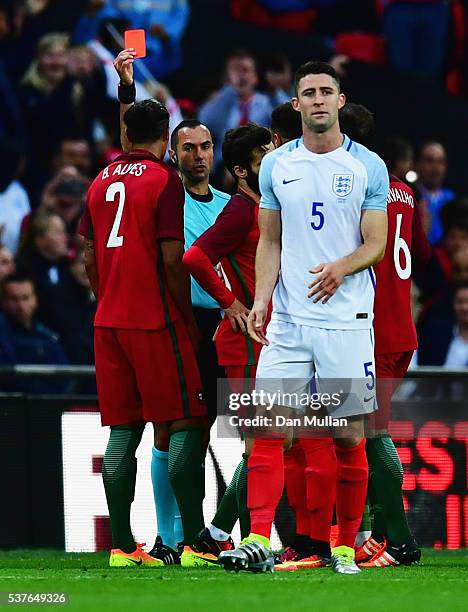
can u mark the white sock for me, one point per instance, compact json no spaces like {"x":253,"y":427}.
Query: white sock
{"x":218,"y":534}
{"x":361,"y":537}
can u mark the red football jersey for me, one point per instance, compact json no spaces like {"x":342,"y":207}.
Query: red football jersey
{"x":394,"y":327}
{"x":132,"y":204}
{"x":233,"y":241}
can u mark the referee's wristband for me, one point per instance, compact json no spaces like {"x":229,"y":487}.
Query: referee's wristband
{"x":127,"y":93}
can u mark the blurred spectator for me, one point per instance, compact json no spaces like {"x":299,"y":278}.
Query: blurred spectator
{"x":443,"y":333}
{"x":51,"y":101}
{"x":286,"y":124}
{"x":30,"y":342}
{"x":416,"y":33}
{"x":75,"y":152}
{"x":14,"y":201}
{"x":65,"y":196}
{"x":43,"y":257}
{"x":87,"y":27}
{"x":431,"y":167}
{"x":277,"y":78}
{"x":7,"y":263}
{"x":237,"y":102}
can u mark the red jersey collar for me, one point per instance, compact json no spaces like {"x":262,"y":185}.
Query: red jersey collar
{"x":245,"y":195}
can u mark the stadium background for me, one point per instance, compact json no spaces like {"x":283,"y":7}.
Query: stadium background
{"x":51,"y":459}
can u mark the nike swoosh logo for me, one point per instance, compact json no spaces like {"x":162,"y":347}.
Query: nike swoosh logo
{"x":285,"y":182}
{"x":139,"y":562}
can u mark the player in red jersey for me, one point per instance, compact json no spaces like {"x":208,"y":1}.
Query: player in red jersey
{"x":391,"y":542}
{"x":145,"y":330}
{"x":233,"y":240}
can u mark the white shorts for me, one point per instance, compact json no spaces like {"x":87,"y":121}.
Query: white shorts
{"x":338,"y":361}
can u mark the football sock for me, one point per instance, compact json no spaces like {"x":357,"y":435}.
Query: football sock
{"x":387,"y":480}
{"x":119,"y":475}
{"x":351,"y":491}
{"x":320,"y":476}
{"x":164,"y":498}
{"x":241,"y":495}
{"x":178,"y":528}
{"x":186,"y":475}
{"x":265,"y":482}
{"x":227,"y":512}
{"x":296,"y":488}
{"x":379,"y":530}
{"x":365,"y":520}
{"x":218,"y":534}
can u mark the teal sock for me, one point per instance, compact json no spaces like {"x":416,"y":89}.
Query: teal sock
{"x":119,"y":476}
{"x":186,"y":474}
{"x":387,"y":479}
{"x":164,"y":498}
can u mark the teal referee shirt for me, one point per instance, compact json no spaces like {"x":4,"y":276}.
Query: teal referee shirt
{"x":200,"y":213}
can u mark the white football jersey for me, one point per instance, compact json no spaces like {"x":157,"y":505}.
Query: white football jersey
{"x":321,"y":197}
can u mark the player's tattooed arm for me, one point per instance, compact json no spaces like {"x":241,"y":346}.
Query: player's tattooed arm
{"x":123,"y":64}
{"x":90,"y":265}
{"x":267,"y":265}
{"x":329,"y":276}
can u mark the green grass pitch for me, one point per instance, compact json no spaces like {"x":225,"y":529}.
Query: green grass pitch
{"x":440,"y":583}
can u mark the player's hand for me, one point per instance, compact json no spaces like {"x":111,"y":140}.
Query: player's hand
{"x":123,"y":64}
{"x":256,"y":323}
{"x":237,"y":314}
{"x":329,"y":278}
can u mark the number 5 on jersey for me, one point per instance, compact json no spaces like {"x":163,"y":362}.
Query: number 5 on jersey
{"x":319,"y":220}
{"x":114,"y":189}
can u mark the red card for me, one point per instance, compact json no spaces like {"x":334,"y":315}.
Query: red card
{"x":136,"y":39}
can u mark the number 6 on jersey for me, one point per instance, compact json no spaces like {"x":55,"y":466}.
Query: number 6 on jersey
{"x":116,"y":189}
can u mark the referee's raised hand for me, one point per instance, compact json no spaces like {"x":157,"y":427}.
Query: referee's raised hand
{"x":123,"y":64}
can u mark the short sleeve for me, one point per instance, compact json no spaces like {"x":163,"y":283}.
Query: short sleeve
{"x":268,"y":198}
{"x":86,"y":225}
{"x":170,"y":210}
{"x":229,"y":230}
{"x":377,"y":186}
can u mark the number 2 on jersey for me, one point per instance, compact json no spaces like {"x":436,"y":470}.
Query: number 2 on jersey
{"x":401,"y":245}
{"x":114,"y":189}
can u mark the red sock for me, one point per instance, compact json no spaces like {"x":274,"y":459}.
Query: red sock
{"x":295,"y":481}
{"x":265,"y":482}
{"x":351,"y":491}
{"x":320,"y":473}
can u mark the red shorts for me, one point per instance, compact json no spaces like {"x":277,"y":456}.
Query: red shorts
{"x":390,"y":369}
{"x":244,"y":371}
{"x":146,"y":375}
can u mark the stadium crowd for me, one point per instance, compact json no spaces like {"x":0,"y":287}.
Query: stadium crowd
{"x":59,"y":126}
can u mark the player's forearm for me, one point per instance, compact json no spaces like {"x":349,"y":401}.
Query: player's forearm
{"x":368,"y":254}
{"x":201,"y":268}
{"x":124,"y":141}
{"x":178,"y":282}
{"x":267,"y":265}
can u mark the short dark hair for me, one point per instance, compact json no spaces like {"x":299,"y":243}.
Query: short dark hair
{"x":146,"y":121}
{"x":240,"y":143}
{"x":427,"y":143}
{"x":315,"y":68}
{"x":357,"y":122}
{"x":186,"y":123}
{"x":241,"y":53}
{"x":17,"y":277}
{"x":286,"y":122}
{"x":393,"y":149}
